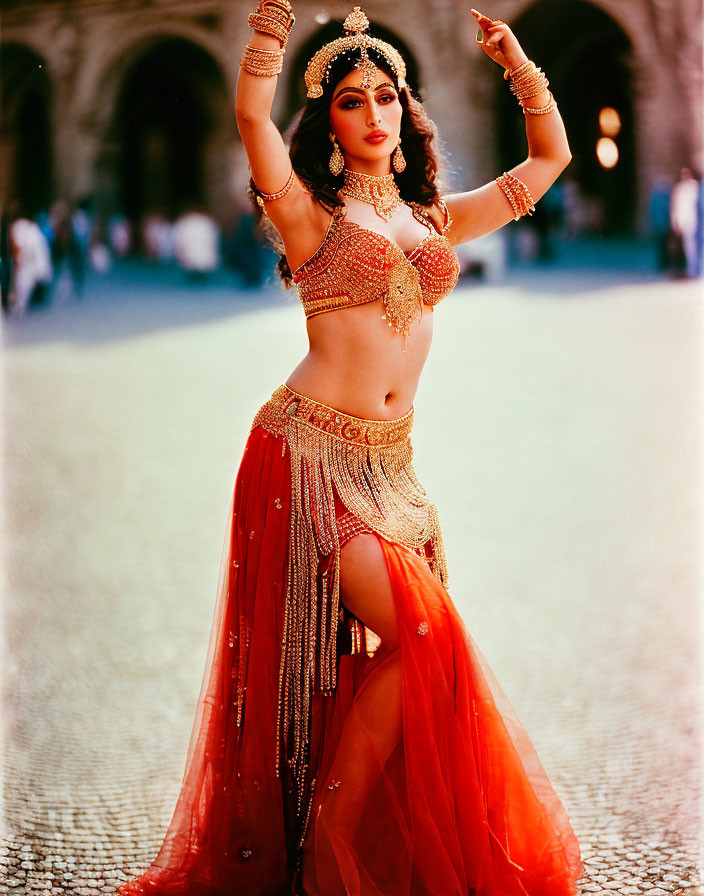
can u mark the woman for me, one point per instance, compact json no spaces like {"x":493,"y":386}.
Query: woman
{"x":349,"y":736}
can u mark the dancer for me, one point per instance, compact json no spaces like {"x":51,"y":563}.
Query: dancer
{"x":350,"y":738}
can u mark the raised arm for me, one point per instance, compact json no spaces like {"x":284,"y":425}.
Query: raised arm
{"x":264,"y":145}
{"x":491,"y":206}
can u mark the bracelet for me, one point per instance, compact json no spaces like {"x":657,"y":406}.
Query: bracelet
{"x":268,"y":25}
{"x":528,"y":85}
{"x":264,"y":63}
{"x":517,"y":194}
{"x":542,"y":110}
{"x":263,"y":197}
{"x":280,"y":11}
{"x":512,"y":73}
{"x":274,"y":17}
{"x":526,"y":81}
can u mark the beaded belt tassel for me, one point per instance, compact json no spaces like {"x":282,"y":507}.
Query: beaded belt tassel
{"x":368,"y":464}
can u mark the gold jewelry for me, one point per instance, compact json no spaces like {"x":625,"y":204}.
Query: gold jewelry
{"x":380,"y":191}
{"x":526,"y":81}
{"x":479,"y":36}
{"x":542,"y":110}
{"x":516,"y":72}
{"x":517,"y":194}
{"x":268,"y":25}
{"x":263,"y":197}
{"x":280,"y":9}
{"x":398,"y":159}
{"x":337,"y":160}
{"x":368,"y":463}
{"x":356,"y":25}
{"x":264,"y":63}
{"x":274,"y":17}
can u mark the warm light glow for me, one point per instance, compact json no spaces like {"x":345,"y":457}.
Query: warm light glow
{"x":606,"y":152}
{"x":322,"y":17}
{"x":609,"y":121}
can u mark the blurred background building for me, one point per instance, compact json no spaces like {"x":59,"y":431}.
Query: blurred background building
{"x":126,"y":106}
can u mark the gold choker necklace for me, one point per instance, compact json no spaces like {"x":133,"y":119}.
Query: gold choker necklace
{"x":380,"y":191}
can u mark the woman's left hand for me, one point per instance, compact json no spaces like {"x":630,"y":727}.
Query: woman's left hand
{"x":499,"y":42}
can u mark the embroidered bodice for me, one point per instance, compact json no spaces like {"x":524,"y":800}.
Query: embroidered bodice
{"x":355,"y":265}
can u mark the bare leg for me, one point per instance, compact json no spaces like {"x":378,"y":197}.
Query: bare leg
{"x":371,"y":731}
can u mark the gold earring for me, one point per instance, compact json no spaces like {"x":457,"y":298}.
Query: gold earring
{"x":397,"y":159}
{"x":337,"y":160}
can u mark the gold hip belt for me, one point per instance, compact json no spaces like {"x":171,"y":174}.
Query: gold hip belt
{"x":367,"y":465}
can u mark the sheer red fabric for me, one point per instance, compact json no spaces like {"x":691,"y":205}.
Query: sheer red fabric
{"x":425,"y":781}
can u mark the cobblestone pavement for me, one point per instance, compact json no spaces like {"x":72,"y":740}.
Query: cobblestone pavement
{"x":556,"y":429}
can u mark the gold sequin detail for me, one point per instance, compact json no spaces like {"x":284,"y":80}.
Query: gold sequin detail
{"x":348,"y":526}
{"x":244,"y":636}
{"x":354,"y":265}
{"x":368,"y":464}
{"x":423,"y":628}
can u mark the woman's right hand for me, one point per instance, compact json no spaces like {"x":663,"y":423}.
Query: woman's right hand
{"x":499,"y":42}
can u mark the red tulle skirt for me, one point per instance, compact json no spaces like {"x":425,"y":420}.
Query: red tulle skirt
{"x":420,"y":779}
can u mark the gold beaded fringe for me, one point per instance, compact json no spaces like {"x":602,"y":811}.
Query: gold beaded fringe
{"x":368,"y":464}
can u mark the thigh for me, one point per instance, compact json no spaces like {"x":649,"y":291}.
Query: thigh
{"x":365,"y":587}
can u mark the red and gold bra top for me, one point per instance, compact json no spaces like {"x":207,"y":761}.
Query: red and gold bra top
{"x":355,"y":265}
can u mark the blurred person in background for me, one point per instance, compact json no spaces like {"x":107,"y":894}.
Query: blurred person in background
{"x":349,"y":737}
{"x":5,"y":259}
{"x":196,"y":241}
{"x":700,"y":229}
{"x":684,"y":219}
{"x":242,"y":248}
{"x":69,"y":249}
{"x":158,"y":237}
{"x":31,"y":266}
{"x":119,"y":235}
{"x":99,"y":251}
{"x":659,"y":221}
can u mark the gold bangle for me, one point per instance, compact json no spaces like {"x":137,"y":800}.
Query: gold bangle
{"x":526,"y":81}
{"x":267,"y":25}
{"x":512,"y":73}
{"x":263,"y":63}
{"x":282,"y":5}
{"x":263,"y":197}
{"x":530,"y":86}
{"x":541,"y":110}
{"x":278,"y":11}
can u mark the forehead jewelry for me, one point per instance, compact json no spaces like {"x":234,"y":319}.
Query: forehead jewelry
{"x":356,"y":26}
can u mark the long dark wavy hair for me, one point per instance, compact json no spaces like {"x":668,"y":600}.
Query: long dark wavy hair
{"x":310,"y":149}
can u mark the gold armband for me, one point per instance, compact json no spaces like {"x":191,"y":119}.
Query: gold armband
{"x":263,"y":197}
{"x":517,"y":194}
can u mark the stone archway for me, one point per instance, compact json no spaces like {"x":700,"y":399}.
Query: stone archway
{"x":588,"y":59}
{"x":169,"y":132}
{"x":25,"y":131}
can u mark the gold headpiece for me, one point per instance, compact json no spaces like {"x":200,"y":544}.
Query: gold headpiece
{"x":356,"y":25}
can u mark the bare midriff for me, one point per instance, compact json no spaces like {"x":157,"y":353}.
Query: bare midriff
{"x":356,"y":362}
